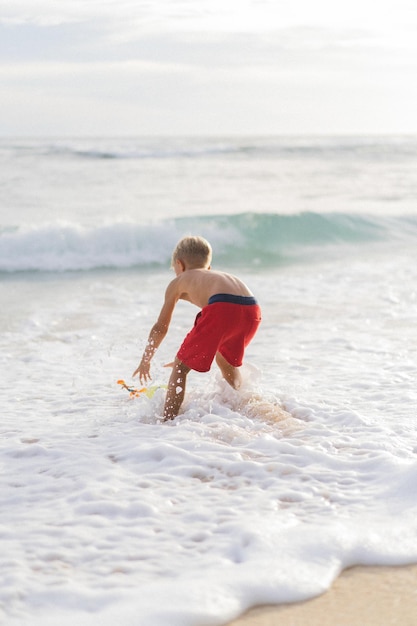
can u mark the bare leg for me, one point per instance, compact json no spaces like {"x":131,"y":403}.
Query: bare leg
{"x":176,"y":390}
{"x":230,"y":373}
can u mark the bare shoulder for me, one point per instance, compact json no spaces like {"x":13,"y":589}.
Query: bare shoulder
{"x":183,"y":284}
{"x":175,"y":286}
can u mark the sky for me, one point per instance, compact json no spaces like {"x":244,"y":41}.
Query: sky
{"x":207,"y":67}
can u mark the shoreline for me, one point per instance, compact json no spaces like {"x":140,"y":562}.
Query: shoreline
{"x":361,"y":595}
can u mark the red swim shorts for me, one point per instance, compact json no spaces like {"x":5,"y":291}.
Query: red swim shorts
{"x":226,"y":325}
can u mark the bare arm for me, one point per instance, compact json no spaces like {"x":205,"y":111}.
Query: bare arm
{"x":158,"y":332}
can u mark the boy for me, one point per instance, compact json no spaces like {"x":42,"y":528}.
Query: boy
{"x":229,"y":319}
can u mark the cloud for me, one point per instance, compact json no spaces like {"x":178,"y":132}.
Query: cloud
{"x":56,"y":70}
{"x":143,"y":14}
{"x":213,"y":15}
{"x":154,"y":65}
{"x":49,"y":12}
{"x":148,"y":29}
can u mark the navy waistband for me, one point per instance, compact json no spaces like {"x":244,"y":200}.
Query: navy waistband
{"x":229,"y":297}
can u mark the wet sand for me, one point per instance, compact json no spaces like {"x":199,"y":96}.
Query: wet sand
{"x":361,"y":596}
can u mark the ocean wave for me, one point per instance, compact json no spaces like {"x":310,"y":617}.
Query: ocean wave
{"x":372,"y":148}
{"x":140,"y":149}
{"x":245,"y":240}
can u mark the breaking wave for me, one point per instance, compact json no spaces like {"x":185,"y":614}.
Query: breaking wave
{"x":244,"y":240}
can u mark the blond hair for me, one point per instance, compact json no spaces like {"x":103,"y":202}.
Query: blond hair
{"x":195,"y":251}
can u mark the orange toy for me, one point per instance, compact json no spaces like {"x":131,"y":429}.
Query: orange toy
{"x":135,"y":393}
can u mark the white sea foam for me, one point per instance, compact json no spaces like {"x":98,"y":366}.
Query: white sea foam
{"x":124,"y":508}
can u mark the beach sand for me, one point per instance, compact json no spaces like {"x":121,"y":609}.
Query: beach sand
{"x":361,"y":596}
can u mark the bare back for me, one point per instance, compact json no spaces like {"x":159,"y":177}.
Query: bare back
{"x":198,"y":285}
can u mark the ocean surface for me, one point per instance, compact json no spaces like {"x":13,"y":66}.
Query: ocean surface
{"x":109,"y":516}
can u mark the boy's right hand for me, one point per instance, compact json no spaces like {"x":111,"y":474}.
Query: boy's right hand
{"x":143,"y":369}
